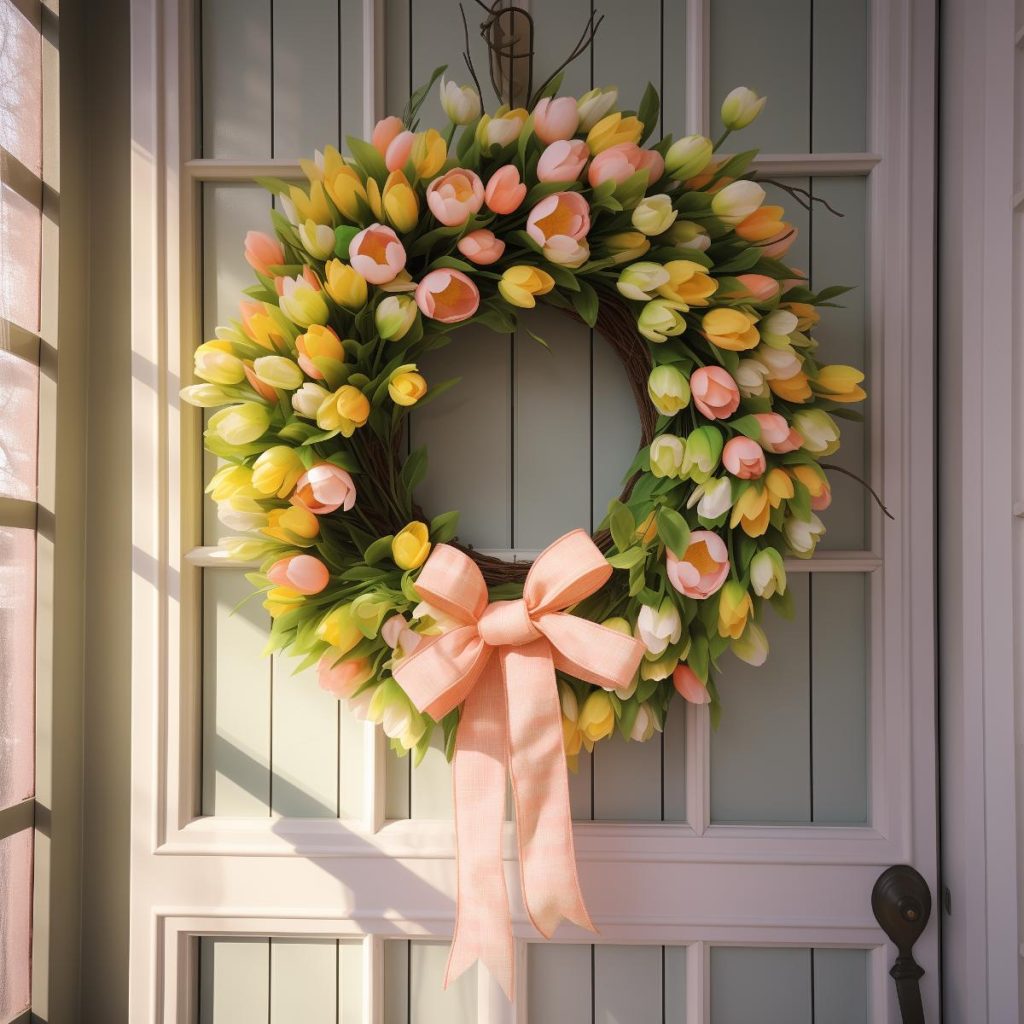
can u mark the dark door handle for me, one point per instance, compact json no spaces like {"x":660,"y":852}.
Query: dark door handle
{"x":902,"y":905}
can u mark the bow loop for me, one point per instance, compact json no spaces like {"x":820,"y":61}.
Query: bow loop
{"x":564,"y":574}
{"x":452,"y":582}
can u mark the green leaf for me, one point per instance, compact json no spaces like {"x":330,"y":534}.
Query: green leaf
{"x":379,"y":549}
{"x":368,"y":158}
{"x":276,"y":185}
{"x":672,"y":530}
{"x":736,"y":165}
{"x":622,"y":525}
{"x":414,"y":470}
{"x":650,"y":105}
{"x":585,"y":302}
{"x":443,"y":527}
{"x":626,"y":559}
{"x":551,"y":89}
{"x":563,"y":277}
{"x":748,"y":426}
{"x":415,"y":101}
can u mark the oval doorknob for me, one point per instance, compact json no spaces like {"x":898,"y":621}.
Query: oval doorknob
{"x":902,"y":904}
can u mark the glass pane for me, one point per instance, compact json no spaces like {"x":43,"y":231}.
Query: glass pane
{"x":20,"y":226}
{"x":17,"y":653}
{"x":20,"y":87}
{"x":19,"y":420}
{"x":15,"y":922}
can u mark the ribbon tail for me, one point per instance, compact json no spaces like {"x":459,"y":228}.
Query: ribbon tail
{"x":540,"y":788}
{"x":483,"y":923}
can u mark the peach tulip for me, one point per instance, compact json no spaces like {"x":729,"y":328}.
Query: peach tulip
{"x":263,"y":252}
{"x":319,"y":342}
{"x":505,"y":192}
{"x":455,"y":197}
{"x":778,"y":245}
{"x":399,"y":150}
{"x":688,"y":686}
{"x":758,"y":287}
{"x":324,"y":489}
{"x":563,"y":213}
{"x":376,"y":254}
{"x":343,"y":678}
{"x":703,"y":568}
{"x":302,"y":573}
{"x":385,"y":132}
{"x":263,"y":390}
{"x":714,"y":392}
{"x":622,"y":161}
{"x":481,"y":247}
{"x":743,"y":458}
{"x":777,"y":435}
{"x":563,"y":161}
{"x":555,"y":120}
{"x":447,"y":296}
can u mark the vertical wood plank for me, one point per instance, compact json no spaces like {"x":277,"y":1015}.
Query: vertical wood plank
{"x":236,"y":698}
{"x":397,"y":85}
{"x":352,"y":765}
{"x":236,"y":57}
{"x":306,"y":46}
{"x":627,"y":984}
{"x":396,"y":981}
{"x":674,"y":962}
{"x":766,"y":47}
{"x":627,"y":780}
{"x":303,"y":981}
{"x":840,"y":986}
{"x":674,"y":762}
{"x":673,"y":70}
{"x":355,"y":64}
{"x":430,"y":791}
{"x":551,"y":483}
{"x":760,"y":755}
{"x":558,"y":26}
{"x":229,"y":211}
{"x":839,"y":255}
{"x":304,"y":744}
{"x":839,"y":81}
{"x":234,"y":980}
{"x":397,"y":784}
{"x":626,"y":52}
{"x":350,"y":982}
{"x":771,"y":986}
{"x":428,"y":1001}
{"x":581,"y":788}
{"x":559,"y":984}
{"x":467,"y":432}
{"x":839,"y":720}
{"x":436,"y":30}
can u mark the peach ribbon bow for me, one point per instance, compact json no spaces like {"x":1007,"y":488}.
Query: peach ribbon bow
{"x":500,"y":664}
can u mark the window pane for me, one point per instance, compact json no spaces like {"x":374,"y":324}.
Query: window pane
{"x":20,"y":226}
{"x":20,"y":92}
{"x":17,"y":655}
{"x":15,"y":922}
{"x":19,"y":421}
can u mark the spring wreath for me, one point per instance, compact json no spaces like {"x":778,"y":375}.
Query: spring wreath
{"x":672,"y":254}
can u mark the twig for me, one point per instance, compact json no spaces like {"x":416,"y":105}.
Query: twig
{"x":863,"y":483}
{"x":585,"y":41}
{"x":465,"y":53}
{"x":802,"y":196}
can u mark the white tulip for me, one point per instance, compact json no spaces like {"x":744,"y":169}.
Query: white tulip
{"x":658,"y":627}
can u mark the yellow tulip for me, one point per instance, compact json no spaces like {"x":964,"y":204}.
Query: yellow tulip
{"x":752,"y":511}
{"x":503,"y":128}
{"x":293,"y":525}
{"x":340,"y":629}
{"x":406,"y":386}
{"x":278,"y":372}
{"x":400,"y":205}
{"x":275,"y":472}
{"x":627,"y":246}
{"x":779,"y":486}
{"x":345,"y":410}
{"x":300,"y":206}
{"x":347,"y":191}
{"x":411,"y":546}
{"x":230,"y":481}
{"x":836,"y":382}
{"x":345,"y":286}
{"x":520,"y":285}
{"x":240,"y":424}
{"x":688,"y":282}
{"x":597,"y":718}
{"x":429,"y":153}
{"x":215,"y":362}
{"x":734,"y":606}
{"x":282,"y":599}
{"x":731,"y":329}
{"x":612,"y":130}
{"x":794,"y":389}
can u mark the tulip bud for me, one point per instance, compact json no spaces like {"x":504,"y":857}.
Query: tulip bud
{"x":688,"y":156}
{"x":519,"y":285}
{"x":406,"y":386}
{"x":713,"y":498}
{"x":293,"y":525}
{"x":394,"y":316}
{"x":687,"y":235}
{"x":689,"y":687}
{"x":346,"y":286}
{"x":668,"y":389}
{"x":399,"y":719}
{"x":215,"y":362}
{"x":666,"y":455}
{"x":461,"y":103}
{"x":661,"y":318}
{"x":275,"y":472}
{"x":627,"y":245}
{"x":659,"y":627}
{"x":346,"y":410}
{"x":645,"y":725}
{"x":767,"y":573}
{"x":339,"y":628}
{"x":368,"y":612}
{"x":734,"y":606}
{"x":803,"y":535}
{"x":593,"y":105}
{"x":654,"y":215}
{"x":317,"y":239}
{"x":819,"y":431}
{"x":245,"y":549}
{"x":308,"y":399}
{"x":639,"y":281}
{"x":205,"y":396}
{"x":278,"y":372}
{"x":240,"y":424}
{"x":597,"y":718}
{"x":302,"y":573}
{"x":411,"y":546}
{"x":619,"y":624}
{"x":301,"y":299}
{"x":752,"y":645}
{"x":703,"y":450}
{"x":737,"y":201}
{"x":740,"y":107}
{"x":750,"y":378}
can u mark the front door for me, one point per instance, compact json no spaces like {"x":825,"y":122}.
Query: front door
{"x":285,"y":867}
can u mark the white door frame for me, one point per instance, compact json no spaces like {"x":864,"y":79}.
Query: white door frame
{"x":194,"y":875}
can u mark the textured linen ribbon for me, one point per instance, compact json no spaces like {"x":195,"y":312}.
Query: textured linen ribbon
{"x":500,"y":664}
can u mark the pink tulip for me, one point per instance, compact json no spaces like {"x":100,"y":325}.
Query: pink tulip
{"x":455,"y":197}
{"x":778,"y":245}
{"x":703,"y":568}
{"x":505,"y":192}
{"x":566,"y":251}
{"x":714,"y":392}
{"x":302,"y":573}
{"x":563,"y":213}
{"x":688,"y":686}
{"x":261,"y":389}
{"x":823,"y":500}
{"x":776,"y":434}
{"x":384,"y":133}
{"x":482,"y":247}
{"x":758,"y":287}
{"x":744,"y":458}
{"x":399,"y":150}
{"x":343,"y":678}
{"x":447,"y":296}
{"x":563,"y":161}
{"x":263,"y":252}
{"x":556,"y":119}
{"x":622,"y":161}
{"x":396,"y":632}
{"x":324,"y":489}
{"x":377,"y":254}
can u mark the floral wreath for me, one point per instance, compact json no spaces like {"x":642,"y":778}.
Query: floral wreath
{"x":668,"y":250}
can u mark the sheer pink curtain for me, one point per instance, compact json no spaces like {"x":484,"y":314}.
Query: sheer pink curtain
{"x":20,"y":247}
